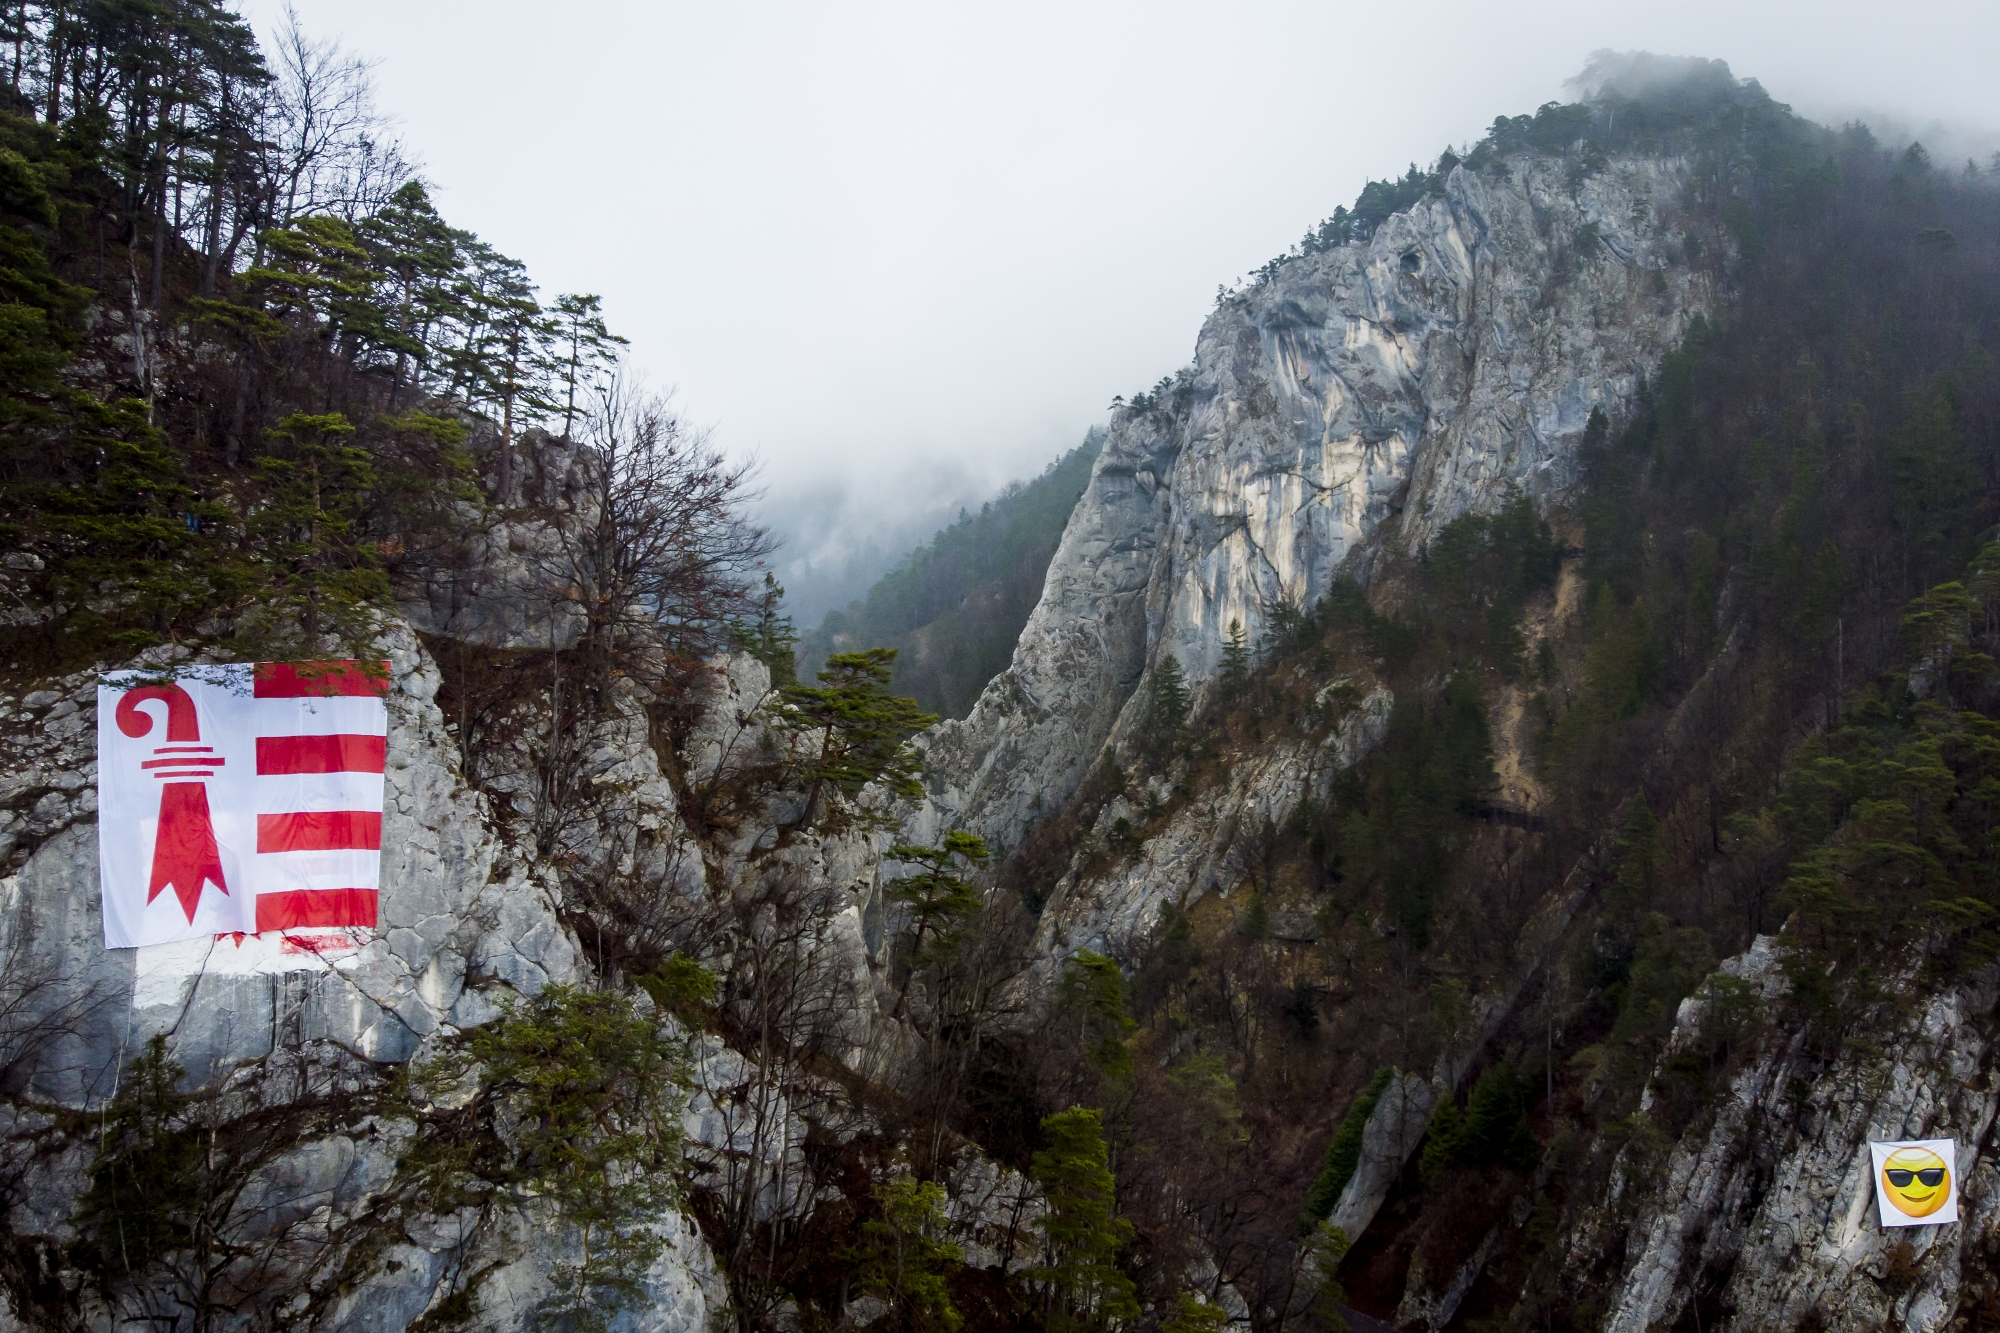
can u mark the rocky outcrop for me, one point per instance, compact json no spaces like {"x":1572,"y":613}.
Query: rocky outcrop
{"x":1377,"y":388}
{"x":1766,"y":1212}
{"x":1395,"y":1128}
{"x":1207,"y":844}
{"x":467,"y":919}
{"x":1024,"y":747}
{"x":512,"y":587}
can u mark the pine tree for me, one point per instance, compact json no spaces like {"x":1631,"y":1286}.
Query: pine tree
{"x":1444,"y":1141}
{"x":1343,"y":1153}
{"x":318,"y":269}
{"x":1093,"y":990}
{"x":597,"y":1086}
{"x":1496,"y":1121}
{"x":937,"y":895}
{"x":1235,"y":677}
{"x":418,"y":256}
{"x":1256,"y":922}
{"x":425,"y":487}
{"x":92,"y":492}
{"x":38,"y":311}
{"x":148,"y":1170}
{"x":500,"y":364}
{"x":581,"y":348}
{"x":1079,"y":1284}
{"x":853,"y":732}
{"x":1170,"y":703}
{"x":1321,"y":1264}
{"x":770,"y":638}
{"x":1194,"y":1315}
{"x":903,"y":1261}
{"x":129,"y":551}
{"x":324,"y":573}
{"x":1635,"y":883}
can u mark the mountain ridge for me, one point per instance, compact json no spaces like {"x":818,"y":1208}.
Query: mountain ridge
{"x":1492,"y":808}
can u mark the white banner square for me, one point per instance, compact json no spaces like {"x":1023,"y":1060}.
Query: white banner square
{"x":242,"y":798}
{"x":1916,"y":1182}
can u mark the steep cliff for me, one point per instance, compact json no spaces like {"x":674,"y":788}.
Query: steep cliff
{"x":1485,"y":824}
{"x":1762,"y":1214}
{"x":1510,"y":588}
{"x":1375,"y":389}
{"x":305,"y":1044}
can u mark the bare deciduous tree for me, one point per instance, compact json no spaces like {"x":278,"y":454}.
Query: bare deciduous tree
{"x":967,"y":1000}
{"x":204,"y":1209}
{"x":641,"y":578}
{"x":657,"y":558}
{"x":333,"y":150}
{"x":788,"y":1012}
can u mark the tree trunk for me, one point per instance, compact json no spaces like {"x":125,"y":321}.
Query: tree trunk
{"x":504,"y":479}
{"x":232,"y":450}
{"x":56,"y":54}
{"x":159,"y":256}
{"x":506,"y":472}
{"x":212,"y":259}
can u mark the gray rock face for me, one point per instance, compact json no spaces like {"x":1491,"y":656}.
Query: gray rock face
{"x":1377,"y":388}
{"x":1205,"y":845}
{"x":1774,"y":1200}
{"x":1024,"y":747}
{"x":1395,"y":1129}
{"x":466,"y":920}
{"x":510,"y":592}
{"x":461,"y":910}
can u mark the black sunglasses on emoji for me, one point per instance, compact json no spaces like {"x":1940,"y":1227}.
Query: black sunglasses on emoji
{"x":1930,"y":1175}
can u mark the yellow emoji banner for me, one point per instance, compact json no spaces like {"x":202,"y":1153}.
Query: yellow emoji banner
{"x":1916,"y":1182}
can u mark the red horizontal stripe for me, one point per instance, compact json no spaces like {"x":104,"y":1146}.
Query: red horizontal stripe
{"x":320,"y":831}
{"x":195,"y":761}
{"x":302,"y":908}
{"x":318,"y":680}
{"x":344,"y":753}
{"x":335,"y":941}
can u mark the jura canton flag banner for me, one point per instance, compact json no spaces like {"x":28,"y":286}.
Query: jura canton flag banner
{"x":242,"y":798}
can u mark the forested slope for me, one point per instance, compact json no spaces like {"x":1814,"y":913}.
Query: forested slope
{"x":1490,"y":809}
{"x":955,"y":606}
{"x":1409,"y":759}
{"x":254,"y":385}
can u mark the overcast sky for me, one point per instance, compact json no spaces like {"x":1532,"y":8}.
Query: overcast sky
{"x":903,"y":253}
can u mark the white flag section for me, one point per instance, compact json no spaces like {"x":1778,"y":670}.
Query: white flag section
{"x":1916,"y":1182}
{"x":244,"y":798}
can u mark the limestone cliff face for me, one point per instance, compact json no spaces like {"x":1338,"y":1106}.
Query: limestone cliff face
{"x":1363,"y":395}
{"x":467,"y":919}
{"x":1199,"y":850}
{"x":1758,"y":1213}
{"x":1766,"y":1211}
{"x":1347,"y":408}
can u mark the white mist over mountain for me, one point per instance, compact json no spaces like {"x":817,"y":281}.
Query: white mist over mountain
{"x":902,"y":253}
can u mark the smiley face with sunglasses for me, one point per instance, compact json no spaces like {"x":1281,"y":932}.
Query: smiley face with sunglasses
{"x":1916,"y":1181}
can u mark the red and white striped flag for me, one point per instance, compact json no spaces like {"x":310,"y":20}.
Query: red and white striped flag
{"x":240,"y":799}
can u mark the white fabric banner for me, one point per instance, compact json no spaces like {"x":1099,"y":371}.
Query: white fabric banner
{"x":1916,"y":1182}
{"x":240,"y":799}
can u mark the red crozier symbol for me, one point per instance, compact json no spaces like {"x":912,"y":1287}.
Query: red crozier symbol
{"x":184,"y":850}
